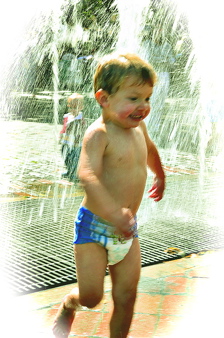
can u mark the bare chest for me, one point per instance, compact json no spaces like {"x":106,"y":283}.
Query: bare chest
{"x":126,"y":149}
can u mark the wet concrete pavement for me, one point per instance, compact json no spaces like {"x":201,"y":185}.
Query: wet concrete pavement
{"x":31,"y":159}
{"x":179,"y":298}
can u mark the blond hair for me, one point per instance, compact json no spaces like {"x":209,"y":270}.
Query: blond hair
{"x":75,"y":102}
{"x":113,"y":69}
{"x":75,"y":98}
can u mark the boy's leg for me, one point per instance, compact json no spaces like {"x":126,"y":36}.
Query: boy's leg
{"x":65,"y":315}
{"x":125,"y":276}
{"x":91,"y":262}
{"x":65,"y":156}
{"x":74,"y":160}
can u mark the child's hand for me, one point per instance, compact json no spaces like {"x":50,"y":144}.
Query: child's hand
{"x":125,"y":223}
{"x":157,"y":189}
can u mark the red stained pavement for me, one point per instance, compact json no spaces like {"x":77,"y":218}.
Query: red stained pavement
{"x":179,"y":298}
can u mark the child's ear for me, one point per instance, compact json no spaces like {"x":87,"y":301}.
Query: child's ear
{"x":102,"y":97}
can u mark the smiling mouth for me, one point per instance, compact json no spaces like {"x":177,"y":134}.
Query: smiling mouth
{"x":136,"y":117}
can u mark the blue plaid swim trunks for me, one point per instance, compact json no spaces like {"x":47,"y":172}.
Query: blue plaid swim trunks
{"x":90,"y":228}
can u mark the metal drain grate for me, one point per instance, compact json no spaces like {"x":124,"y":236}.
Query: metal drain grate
{"x":37,"y":252}
{"x":153,"y":245}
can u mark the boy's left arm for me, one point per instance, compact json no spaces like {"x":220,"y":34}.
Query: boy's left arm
{"x":155,"y":165}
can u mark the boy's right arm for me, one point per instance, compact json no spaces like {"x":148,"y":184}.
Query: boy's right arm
{"x":155,"y":165}
{"x":98,"y":198}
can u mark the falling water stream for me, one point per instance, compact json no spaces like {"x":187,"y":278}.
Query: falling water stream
{"x":187,"y":106}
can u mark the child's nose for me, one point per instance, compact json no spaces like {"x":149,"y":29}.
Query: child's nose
{"x":144,"y":106}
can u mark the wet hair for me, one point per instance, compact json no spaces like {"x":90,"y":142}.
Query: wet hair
{"x":114,"y":69}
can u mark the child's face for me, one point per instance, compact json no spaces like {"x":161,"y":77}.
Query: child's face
{"x":130,"y":104}
{"x":74,"y":106}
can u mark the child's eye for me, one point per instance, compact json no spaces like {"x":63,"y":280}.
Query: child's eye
{"x":133,"y":98}
{"x":147,"y":99}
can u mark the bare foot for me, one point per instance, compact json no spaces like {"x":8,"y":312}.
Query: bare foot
{"x":63,"y":320}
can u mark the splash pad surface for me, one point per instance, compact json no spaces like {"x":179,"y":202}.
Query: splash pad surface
{"x":38,"y":210}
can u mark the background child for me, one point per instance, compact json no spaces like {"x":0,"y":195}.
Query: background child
{"x":113,"y":170}
{"x":71,"y":135}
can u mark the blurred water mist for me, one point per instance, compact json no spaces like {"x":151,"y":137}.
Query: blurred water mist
{"x":49,"y":50}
